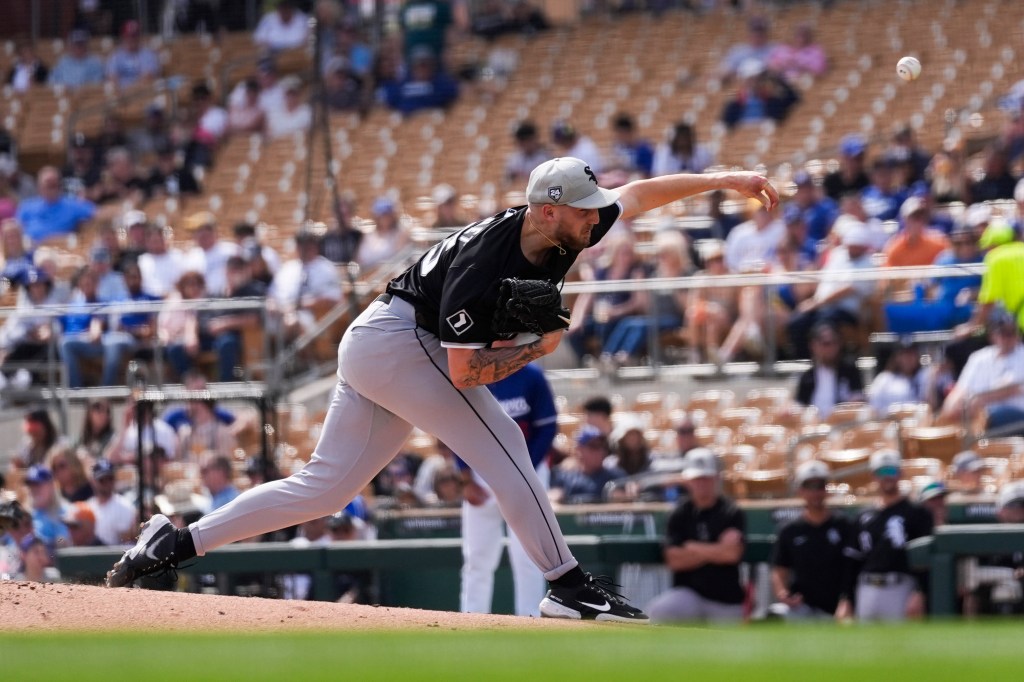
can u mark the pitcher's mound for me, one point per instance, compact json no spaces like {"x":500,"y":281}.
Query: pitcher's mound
{"x":45,"y":606}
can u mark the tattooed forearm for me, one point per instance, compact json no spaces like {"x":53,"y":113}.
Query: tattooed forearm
{"x":488,"y":365}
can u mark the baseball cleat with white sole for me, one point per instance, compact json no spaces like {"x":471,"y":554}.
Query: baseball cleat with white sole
{"x":593,"y":600}
{"x":154,"y":551}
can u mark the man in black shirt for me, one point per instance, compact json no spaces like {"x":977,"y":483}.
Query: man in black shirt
{"x":704,"y":546}
{"x":808,"y":565}
{"x":880,"y":574}
{"x":423,"y":353}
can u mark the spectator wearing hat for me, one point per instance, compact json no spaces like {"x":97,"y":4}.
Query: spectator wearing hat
{"x":110,"y":285}
{"x":69,"y":473}
{"x":446,"y":201}
{"x":132,"y":63}
{"x":284,"y":28}
{"x":426,"y":86}
{"x":345,"y":89}
{"x":46,"y":507}
{"x":836,"y":300}
{"x":992,"y":381}
{"x":25,"y":336}
{"x":387,"y":238}
{"x":304,"y":286}
{"x":993,"y":585}
{"x":244,"y":112}
{"x":295,"y":116}
{"x":28,"y":69}
{"x":850,"y":177}
{"x":808,"y":560}
{"x":529,"y":153}
{"x":681,"y":153}
{"x":583,"y":481}
{"x":77,"y":67}
{"x":210,"y":255}
{"x":80,"y":520}
{"x":19,"y":528}
{"x":36,"y":565}
{"x":965,"y":472}
{"x":52,"y":213}
{"x":161,"y":267}
{"x":932,"y":496}
{"x":916,"y":243}
{"x":115,"y":516}
{"x":880,"y":576}
{"x":883,"y":197}
{"x":262,"y":258}
{"x":703,"y":548}
{"x":17,"y":259}
{"x":1002,"y":282}
{"x":819,"y":211}
{"x":831,"y":379}
{"x":797,"y":237}
{"x":568,"y":141}
{"x":630,"y":152}
{"x":81,"y":174}
{"x":901,"y":381}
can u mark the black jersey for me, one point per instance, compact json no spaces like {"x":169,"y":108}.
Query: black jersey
{"x":716,"y":582}
{"x":814,"y":555}
{"x":880,"y":537}
{"x":454,"y":285}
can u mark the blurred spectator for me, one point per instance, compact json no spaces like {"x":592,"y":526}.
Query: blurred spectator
{"x":662,"y":311}
{"x":52,"y":214}
{"x":244,"y":113}
{"x":426,"y":24}
{"x":177,"y":324}
{"x":426,"y":86}
{"x":808,"y":564}
{"x":110,"y":284}
{"x":69,"y":473}
{"x":595,"y":316}
{"x":17,"y":260}
{"x":802,"y":56}
{"x":819,"y":211}
{"x":568,"y":141}
{"x":296,"y":116}
{"x":111,"y":135}
{"x":446,"y":200}
{"x":8,"y":195}
{"x":217,"y":477}
{"x":945,"y":177}
{"x":965,"y":472}
{"x":916,"y":243}
{"x":631,"y":453}
{"x":46,"y":508}
{"x":494,"y":18}
{"x":955,"y":296}
{"x":346,"y":46}
{"x":305,"y":286}
{"x":119,"y":180}
{"x":797,"y":237}
{"x":210,"y":255}
{"x":20,"y":183}
{"x":1002,"y":282}
{"x":252,"y":250}
{"x":881,"y":582}
{"x":179,"y":416}
{"x":710,"y":311}
{"x":388,"y":237}
{"x":883,"y":197}
{"x":751,"y":245}
{"x":82,"y":331}
{"x":597,"y":412}
{"x":629,"y":151}
{"x":344,"y":88}
{"x":134,"y":225}
{"x":97,"y":428}
{"x":132,"y":63}
{"x":831,"y":379}
{"x":837,"y":300}
{"x":529,"y":154}
{"x":25,"y":336}
{"x":159,"y":442}
{"x":583,"y":482}
{"x":703,"y":549}
{"x":27,"y":70}
{"x":36,"y":565}
{"x":997,"y":182}
{"x":80,"y":520}
{"x":115,"y":516}
{"x":168,"y":178}
{"x":757,"y":49}
{"x":128,"y":332}
{"x":284,"y":28}
{"x":221,"y":331}
{"x":901,"y":381}
{"x":429,"y":468}
{"x":762,"y":95}
{"x":851,"y":175}
{"x":77,"y":67}
{"x":19,"y":529}
{"x":152,"y":135}
{"x":161,"y":267}
{"x":904,"y":147}
{"x":932,"y":496}
{"x":992,"y":382}
{"x":722,"y":222}
{"x":81,"y":175}
{"x":681,"y":153}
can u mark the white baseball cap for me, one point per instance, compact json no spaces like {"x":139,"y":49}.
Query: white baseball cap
{"x":1011,"y":493}
{"x":810,"y":470}
{"x":931,"y":489}
{"x":885,"y":463}
{"x":967,"y":461}
{"x":856,"y":233}
{"x":567,"y":181}
{"x":700,"y":462}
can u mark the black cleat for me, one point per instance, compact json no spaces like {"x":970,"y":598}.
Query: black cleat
{"x":153,"y":552}
{"x":593,"y":600}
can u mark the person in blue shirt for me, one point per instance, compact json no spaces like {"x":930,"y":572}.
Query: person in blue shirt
{"x":52,"y":214}
{"x":526,"y":397}
{"x":883,"y":197}
{"x":819,"y":211}
{"x":217,"y":477}
{"x":585,"y":484}
{"x":426,"y":87}
{"x":77,"y":67}
{"x":46,"y":508}
{"x":82,"y":328}
{"x":632,"y":153}
{"x":17,"y":259}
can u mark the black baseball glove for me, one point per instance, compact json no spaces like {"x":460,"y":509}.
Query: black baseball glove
{"x":529,"y":305}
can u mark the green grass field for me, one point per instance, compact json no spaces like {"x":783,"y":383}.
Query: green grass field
{"x":931,"y":652}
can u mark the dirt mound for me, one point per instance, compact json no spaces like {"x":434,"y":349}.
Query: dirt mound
{"x":35,"y":606}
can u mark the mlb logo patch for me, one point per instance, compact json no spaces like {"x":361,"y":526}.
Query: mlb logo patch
{"x":555,"y":193}
{"x":459,"y":322}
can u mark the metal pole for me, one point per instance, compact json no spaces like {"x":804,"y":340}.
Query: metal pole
{"x":139,"y":457}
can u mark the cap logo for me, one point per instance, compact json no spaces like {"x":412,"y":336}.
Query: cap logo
{"x":556,"y":193}
{"x":590,"y":174}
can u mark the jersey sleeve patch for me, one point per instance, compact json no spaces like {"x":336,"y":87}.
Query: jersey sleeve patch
{"x":459,"y":322}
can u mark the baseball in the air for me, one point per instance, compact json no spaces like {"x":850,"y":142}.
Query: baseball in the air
{"x":908,"y":68}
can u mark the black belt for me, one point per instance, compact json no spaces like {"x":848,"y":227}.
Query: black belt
{"x":421,"y":319}
{"x":883,"y":579}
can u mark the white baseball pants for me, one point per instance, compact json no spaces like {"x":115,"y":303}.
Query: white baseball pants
{"x":683,"y":604}
{"x":483,"y":532}
{"x":391,"y":375}
{"x":884,"y":602}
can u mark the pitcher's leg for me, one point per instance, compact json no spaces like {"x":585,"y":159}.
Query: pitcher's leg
{"x":357,"y":440}
{"x":482,"y":528}
{"x":529,"y":583}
